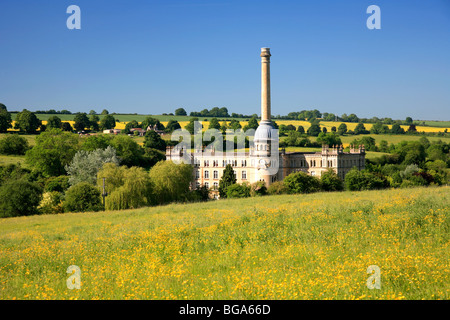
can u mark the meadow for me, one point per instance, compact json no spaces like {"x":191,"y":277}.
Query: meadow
{"x":316,"y":246}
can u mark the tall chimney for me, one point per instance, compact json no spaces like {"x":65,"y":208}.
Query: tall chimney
{"x":265,"y":84}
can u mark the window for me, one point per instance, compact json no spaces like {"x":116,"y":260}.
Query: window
{"x":215,"y":185}
{"x":216,"y":174}
{"x":244,"y":175}
{"x":197,"y":185}
{"x":313,"y":173}
{"x":244,"y":163}
{"x":197,"y":174}
{"x":206,"y":174}
{"x":207,"y":185}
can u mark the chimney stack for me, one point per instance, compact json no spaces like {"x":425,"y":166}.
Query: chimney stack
{"x":265,"y":84}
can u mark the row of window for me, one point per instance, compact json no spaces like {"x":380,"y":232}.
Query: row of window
{"x":215,"y":163}
{"x":216,"y":174}
{"x":329,"y":163}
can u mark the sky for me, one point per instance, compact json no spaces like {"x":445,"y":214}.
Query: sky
{"x":151,"y":57}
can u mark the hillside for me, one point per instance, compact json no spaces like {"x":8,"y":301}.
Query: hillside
{"x":316,"y":246}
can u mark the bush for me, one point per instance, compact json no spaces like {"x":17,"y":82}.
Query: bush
{"x":329,"y":181}
{"x":356,"y":180}
{"x":301,"y":182}
{"x":52,"y":203}
{"x":14,"y":144}
{"x":59,"y":184}
{"x":238,"y":190}
{"x":258,"y":189}
{"x":19,"y":198}
{"x":278,"y":187}
{"x":82,"y":197}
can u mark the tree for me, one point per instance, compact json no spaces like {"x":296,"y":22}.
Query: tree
{"x":153,"y":140}
{"x":85,"y":164}
{"x":329,"y":181}
{"x":54,"y":150}
{"x":301,"y":182}
{"x":301,"y":129}
{"x":238,"y":190}
{"x":19,"y":198}
{"x":13,"y":144}
{"x":314,"y":129}
{"x":234,"y":124}
{"x":214,"y":124}
{"x":377,"y":128}
{"x":171,"y":181}
{"x":128,"y":150}
{"x":26,"y":121}
{"x":5,"y":120}
{"x":92,"y":112}
{"x":190,"y":127}
{"x":360,"y":129}
{"x":127,"y":188}
{"x":408,"y":121}
{"x":252,"y":124}
{"x":258,"y":189}
{"x":81,"y":121}
{"x":356,"y":180}
{"x":329,"y":139}
{"x":108,"y":122}
{"x":180,"y":112}
{"x":396,"y":129}
{"x":93,"y":121}
{"x":172,"y":125}
{"x":82,"y":197}
{"x":150,"y":121}
{"x":66,"y":126}
{"x":105,"y":112}
{"x":278,"y":187}
{"x":342,"y":129}
{"x":54,"y":122}
{"x":228,"y":179}
{"x":98,"y":141}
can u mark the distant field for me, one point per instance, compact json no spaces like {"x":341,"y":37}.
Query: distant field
{"x":316,"y":246}
{"x":442,"y":124}
{"x":5,"y":160}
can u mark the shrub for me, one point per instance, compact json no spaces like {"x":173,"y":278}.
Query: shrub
{"x":238,"y":190}
{"x":59,"y":184}
{"x":329,"y":181}
{"x":364,"y":180}
{"x":82,"y":197}
{"x":278,"y":187}
{"x":19,"y":198}
{"x":14,"y":144}
{"x":258,"y":189}
{"x":51,"y":203}
{"x":300,"y":182}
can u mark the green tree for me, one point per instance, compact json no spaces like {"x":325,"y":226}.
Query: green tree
{"x":330,"y":181}
{"x":54,"y":149}
{"x":5,"y":120}
{"x":93,"y":122}
{"x":153,"y":140}
{"x":128,"y":150}
{"x":26,"y":121}
{"x":214,"y":124}
{"x":360,"y":129}
{"x":105,"y":112}
{"x":301,"y":182}
{"x":342,"y":129}
{"x":81,"y":121}
{"x":252,"y":124}
{"x":190,"y":127}
{"x":19,"y":198}
{"x":66,"y":126}
{"x":228,"y":179}
{"x":13,"y":144}
{"x":128,"y":188}
{"x":82,"y":197}
{"x":258,"y":188}
{"x":172,"y":125}
{"x":408,"y":121}
{"x":277,"y":187}
{"x":180,"y":112}
{"x":356,"y":180}
{"x":171,"y":181}
{"x":107,"y":122}
{"x":301,"y":129}
{"x":314,"y":129}
{"x":238,"y":190}
{"x":396,"y":129}
{"x":234,"y":124}
{"x":54,"y":122}
{"x":329,"y":139}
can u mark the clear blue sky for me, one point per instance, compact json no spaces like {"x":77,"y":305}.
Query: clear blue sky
{"x":155,"y":56}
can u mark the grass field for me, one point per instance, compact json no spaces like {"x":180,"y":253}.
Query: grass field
{"x":316,"y":246}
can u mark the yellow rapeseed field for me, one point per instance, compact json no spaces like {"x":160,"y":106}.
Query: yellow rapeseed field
{"x":316,"y":246}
